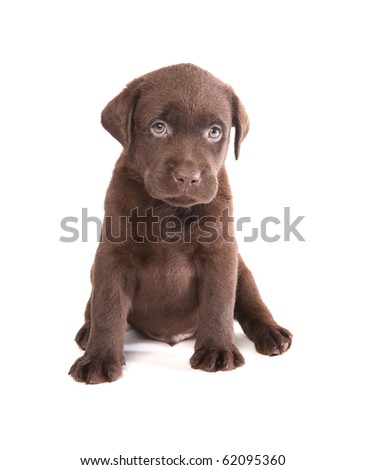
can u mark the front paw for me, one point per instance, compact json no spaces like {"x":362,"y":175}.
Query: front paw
{"x":96,"y":370}
{"x":212,"y":359}
{"x":273,"y":340}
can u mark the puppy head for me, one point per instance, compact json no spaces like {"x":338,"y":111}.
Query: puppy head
{"x":174,"y":124}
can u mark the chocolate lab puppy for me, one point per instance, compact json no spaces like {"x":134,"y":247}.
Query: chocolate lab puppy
{"x":167,"y":262}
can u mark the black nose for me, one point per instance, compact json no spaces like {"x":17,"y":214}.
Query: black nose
{"x":186,"y":178}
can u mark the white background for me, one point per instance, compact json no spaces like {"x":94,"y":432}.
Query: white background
{"x":299,"y":68}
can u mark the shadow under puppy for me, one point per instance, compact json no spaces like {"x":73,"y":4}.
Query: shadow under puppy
{"x":167,"y":262}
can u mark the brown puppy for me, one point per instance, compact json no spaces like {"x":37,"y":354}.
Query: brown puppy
{"x":167,"y":262}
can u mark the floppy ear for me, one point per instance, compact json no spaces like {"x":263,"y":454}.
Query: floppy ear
{"x":240,"y":121}
{"x":117,"y":115}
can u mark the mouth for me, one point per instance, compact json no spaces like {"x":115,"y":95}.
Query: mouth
{"x":181,"y":201}
{"x":180,"y":198}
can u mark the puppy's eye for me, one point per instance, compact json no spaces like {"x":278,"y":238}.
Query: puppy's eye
{"x":158,"y":128}
{"x":215,"y":133}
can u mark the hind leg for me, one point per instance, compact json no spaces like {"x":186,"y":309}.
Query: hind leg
{"x":82,"y":336}
{"x":255,"y":319}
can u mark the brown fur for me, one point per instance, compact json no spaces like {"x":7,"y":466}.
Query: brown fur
{"x":163,"y":284}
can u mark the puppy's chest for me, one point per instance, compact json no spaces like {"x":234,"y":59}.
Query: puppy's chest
{"x":170,"y":231}
{"x":167,"y":274}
